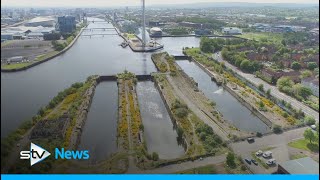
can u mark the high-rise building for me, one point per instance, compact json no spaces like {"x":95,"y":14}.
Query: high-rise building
{"x":66,"y":24}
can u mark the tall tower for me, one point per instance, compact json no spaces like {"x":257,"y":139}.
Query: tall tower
{"x":143,"y":24}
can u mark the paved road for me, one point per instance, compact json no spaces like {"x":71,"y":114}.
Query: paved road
{"x":174,"y":168}
{"x":274,"y":90}
{"x":277,"y":141}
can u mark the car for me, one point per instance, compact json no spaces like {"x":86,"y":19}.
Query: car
{"x":267,"y":154}
{"x":254,"y":162}
{"x":201,"y":159}
{"x":248,"y":161}
{"x":250,"y":140}
{"x":259,"y":153}
{"x":314,"y":127}
{"x":271,"y":162}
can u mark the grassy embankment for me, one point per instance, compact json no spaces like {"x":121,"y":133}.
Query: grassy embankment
{"x":261,"y":103}
{"x":67,"y":101}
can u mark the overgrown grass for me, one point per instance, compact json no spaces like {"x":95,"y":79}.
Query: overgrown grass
{"x":275,"y":37}
{"x":305,"y":145}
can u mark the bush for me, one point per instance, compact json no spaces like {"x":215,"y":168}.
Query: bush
{"x":155,"y":156}
{"x":277,"y":129}
{"x":181,"y":112}
{"x":259,"y":134}
{"x":308,"y":120}
{"x":231,"y":160}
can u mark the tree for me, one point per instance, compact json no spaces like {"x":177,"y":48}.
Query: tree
{"x":260,"y":87}
{"x":231,"y":160}
{"x":308,"y":134}
{"x":268,"y":93}
{"x":295,"y":65}
{"x":303,"y":91}
{"x":284,"y":82}
{"x":277,"y":129}
{"x":312,"y":65}
{"x":246,"y":65}
{"x":308,"y":120}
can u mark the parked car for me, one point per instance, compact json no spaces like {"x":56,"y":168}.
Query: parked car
{"x":314,"y":127}
{"x":248,"y":161}
{"x":267,"y":154}
{"x":250,"y":140}
{"x":259,"y":153}
{"x":271,"y":162}
{"x":254,"y":162}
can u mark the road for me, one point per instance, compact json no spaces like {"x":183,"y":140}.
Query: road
{"x":278,"y":142}
{"x":274,"y":90}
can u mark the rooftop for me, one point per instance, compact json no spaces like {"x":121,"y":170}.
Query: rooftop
{"x":301,"y":166}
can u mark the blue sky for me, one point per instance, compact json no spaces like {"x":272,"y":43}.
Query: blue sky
{"x":109,"y":3}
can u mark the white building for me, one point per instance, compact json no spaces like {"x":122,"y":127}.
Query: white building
{"x":312,"y":83}
{"x":231,"y":30}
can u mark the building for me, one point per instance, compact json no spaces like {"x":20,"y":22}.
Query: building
{"x":299,"y":166}
{"x":40,"y":21}
{"x":6,"y":36}
{"x":155,"y":32}
{"x":35,"y":35}
{"x":312,"y":83}
{"x":66,"y":24}
{"x":231,"y":30}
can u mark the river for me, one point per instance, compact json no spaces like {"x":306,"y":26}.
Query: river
{"x":231,"y":109}
{"x":158,"y":127}
{"x":24,"y":92}
{"x":99,"y":134}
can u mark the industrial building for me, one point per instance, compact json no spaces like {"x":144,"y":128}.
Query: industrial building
{"x":66,"y":24}
{"x":299,"y":166}
{"x":155,"y":32}
{"x":231,"y":30}
{"x":41,"y":21}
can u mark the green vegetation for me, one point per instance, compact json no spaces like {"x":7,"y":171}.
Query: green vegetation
{"x":297,"y":156}
{"x":298,"y":91}
{"x":263,"y":164}
{"x":208,"y":137}
{"x":15,"y":65}
{"x":277,"y":129}
{"x":67,"y":100}
{"x":305,"y":145}
{"x":231,"y":160}
{"x":308,"y":120}
{"x":176,"y":31}
{"x":262,"y":36}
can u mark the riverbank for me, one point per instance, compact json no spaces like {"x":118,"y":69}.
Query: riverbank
{"x":45,"y":128}
{"x":266,"y":110}
{"x":46,"y":57}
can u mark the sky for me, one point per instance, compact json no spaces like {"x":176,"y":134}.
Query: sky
{"x":110,"y":3}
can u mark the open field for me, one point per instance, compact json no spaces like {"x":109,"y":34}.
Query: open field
{"x":260,"y":36}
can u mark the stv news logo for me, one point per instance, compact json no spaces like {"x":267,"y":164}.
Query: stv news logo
{"x":38,"y":154}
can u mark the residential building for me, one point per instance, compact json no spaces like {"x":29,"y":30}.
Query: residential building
{"x":66,"y":24}
{"x":312,"y":83}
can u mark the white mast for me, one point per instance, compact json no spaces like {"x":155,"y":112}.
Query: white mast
{"x":144,"y":24}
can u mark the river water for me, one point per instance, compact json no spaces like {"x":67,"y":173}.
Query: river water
{"x":158,"y":128}
{"x":229,"y":106}
{"x":99,"y":134}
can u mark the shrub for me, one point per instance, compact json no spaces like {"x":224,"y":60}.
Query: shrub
{"x":277,"y":129}
{"x":308,"y":120}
